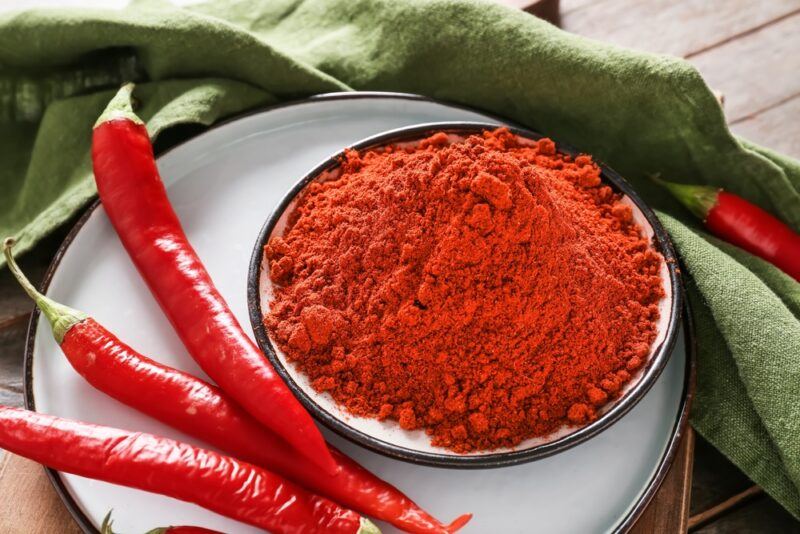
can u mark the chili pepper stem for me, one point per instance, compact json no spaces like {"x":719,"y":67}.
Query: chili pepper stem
{"x":120,"y":107}
{"x":61,"y":317}
{"x":699,"y":199}
{"x":106,"y":526}
{"x":368,"y":527}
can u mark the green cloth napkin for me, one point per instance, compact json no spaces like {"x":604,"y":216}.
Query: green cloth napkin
{"x":639,"y":112}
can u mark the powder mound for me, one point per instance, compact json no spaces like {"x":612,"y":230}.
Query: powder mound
{"x":486,"y":291}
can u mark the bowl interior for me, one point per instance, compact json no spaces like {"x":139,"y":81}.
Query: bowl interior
{"x":387,"y":436}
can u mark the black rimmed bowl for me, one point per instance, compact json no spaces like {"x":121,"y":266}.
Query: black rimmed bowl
{"x":386,"y":437}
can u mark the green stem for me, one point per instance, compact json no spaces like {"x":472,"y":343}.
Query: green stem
{"x":368,"y":527}
{"x":699,"y":199}
{"x":120,"y":107}
{"x":105,"y":528}
{"x":61,"y":317}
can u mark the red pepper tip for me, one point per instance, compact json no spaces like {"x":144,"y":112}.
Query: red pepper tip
{"x":458,"y":523}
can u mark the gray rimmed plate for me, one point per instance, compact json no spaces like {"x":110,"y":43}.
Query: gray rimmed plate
{"x":224,"y":183}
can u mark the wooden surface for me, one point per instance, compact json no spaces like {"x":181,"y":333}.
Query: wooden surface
{"x":669,"y":509}
{"x":29,"y":505}
{"x":746,"y":50}
{"x":706,"y":517}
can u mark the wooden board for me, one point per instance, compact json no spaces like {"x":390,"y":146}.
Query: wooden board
{"x":15,"y":307}
{"x":757,"y":71}
{"x":777,"y":128}
{"x":544,"y":9}
{"x":672,"y":27}
{"x":745,"y":50}
{"x":571,"y":5}
{"x":28,"y":504}
{"x":669,"y":510}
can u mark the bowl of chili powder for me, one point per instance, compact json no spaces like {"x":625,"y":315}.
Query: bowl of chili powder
{"x":462,"y":295}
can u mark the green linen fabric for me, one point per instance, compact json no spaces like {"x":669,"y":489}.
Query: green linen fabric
{"x":639,"y":112}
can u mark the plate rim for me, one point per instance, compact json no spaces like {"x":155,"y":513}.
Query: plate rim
{"x":679,"y":427}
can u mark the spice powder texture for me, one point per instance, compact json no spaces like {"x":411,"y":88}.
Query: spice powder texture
{"x":486,"y":291}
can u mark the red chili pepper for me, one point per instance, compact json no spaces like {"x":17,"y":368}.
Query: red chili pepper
{"x":136,"y":202}
{"x":219,"y":483}
{"x":204,"y":411}
{"x":737,"y":221}
{"x":182,"y":530}
{"x":108,"y":523}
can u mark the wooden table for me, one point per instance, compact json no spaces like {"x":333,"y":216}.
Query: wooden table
{"x":745,"y":50}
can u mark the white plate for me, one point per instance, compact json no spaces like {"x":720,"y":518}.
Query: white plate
{"x":223,"y":185}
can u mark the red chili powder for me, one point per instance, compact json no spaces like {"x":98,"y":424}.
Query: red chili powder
{"x":485,"y":291}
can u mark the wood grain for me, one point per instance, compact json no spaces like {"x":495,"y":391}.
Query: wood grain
{"x":669,"y":510}
{"x":777,"y":128}
{"x":28,"y":504}
{"x":544,"y":9}
{"x":762,"y":515}
{"x":714,"y":477}
{"x":745,"y":50}
{"x":757,"y":71}
{"x":672,"y":27}
{"x":12,"y":321}
{"x":698,"y":520}
{"x":573,"y":5}
{"x":3,"y":463}
{"x":15,"y":307}
{"x":12,"y":348}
